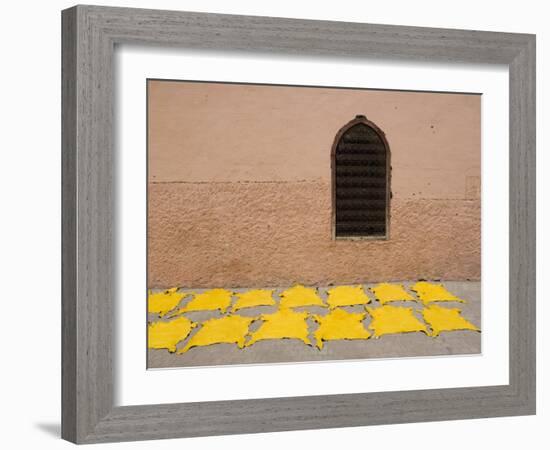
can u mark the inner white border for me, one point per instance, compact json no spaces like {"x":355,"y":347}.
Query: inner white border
{"x":136,"y":385}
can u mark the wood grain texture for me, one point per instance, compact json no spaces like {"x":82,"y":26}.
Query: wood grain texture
{"x":89,"y":36}
{"x":68,"y":226}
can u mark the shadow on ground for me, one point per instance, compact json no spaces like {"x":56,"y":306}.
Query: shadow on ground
{"x":52,"y":429}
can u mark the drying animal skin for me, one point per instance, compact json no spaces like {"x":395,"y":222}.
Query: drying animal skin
{"x":283,"y":324}
{"x":339,"y":324}
{"x":300,"y":296}
{"x":168,"y":334}
{"x":347,"y":296}
{"x":446,"y":319}
{"x":225,"y":330}
{"x":162,"y":302}
{"x":208,"y":301}
{"x":256,"y":297}
{"x":394,"y":319}
{"x":389,"y":292}
{"x":431,"y":292}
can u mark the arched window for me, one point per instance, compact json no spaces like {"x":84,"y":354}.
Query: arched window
{"x":360,"y":182}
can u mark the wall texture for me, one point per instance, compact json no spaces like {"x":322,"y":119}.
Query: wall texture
{"x":239,"y":185}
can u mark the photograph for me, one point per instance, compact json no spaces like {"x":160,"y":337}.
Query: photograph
{"x":310,"y":223}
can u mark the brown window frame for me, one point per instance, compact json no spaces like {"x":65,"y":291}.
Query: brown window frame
{"x":360,"y":119}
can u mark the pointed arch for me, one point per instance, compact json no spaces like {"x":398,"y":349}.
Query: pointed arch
{"x":361,"y":175}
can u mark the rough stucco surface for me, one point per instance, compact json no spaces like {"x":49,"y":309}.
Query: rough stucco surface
{"x":239,"y":234}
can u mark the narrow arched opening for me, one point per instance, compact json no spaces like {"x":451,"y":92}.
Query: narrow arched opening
{"x":360,"y":181}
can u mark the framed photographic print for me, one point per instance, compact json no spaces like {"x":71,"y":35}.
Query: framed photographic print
{"x":272,"y":206}
{"x":313,"y":224}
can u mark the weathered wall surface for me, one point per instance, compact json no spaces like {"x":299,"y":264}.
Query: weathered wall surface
{"x":239,"y":186}
{"x":271,"y":234}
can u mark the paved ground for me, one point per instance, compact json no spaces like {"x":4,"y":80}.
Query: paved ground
{"x":287,"y":350}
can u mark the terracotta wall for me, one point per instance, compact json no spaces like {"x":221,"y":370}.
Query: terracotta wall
{"x":239,"y":185}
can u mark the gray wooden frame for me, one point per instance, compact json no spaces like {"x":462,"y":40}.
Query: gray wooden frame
{"x":89,"y":36}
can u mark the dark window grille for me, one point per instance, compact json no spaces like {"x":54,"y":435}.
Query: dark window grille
{"x":360,"y":162}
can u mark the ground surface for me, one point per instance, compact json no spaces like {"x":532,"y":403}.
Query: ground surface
{"x":291,"y":350}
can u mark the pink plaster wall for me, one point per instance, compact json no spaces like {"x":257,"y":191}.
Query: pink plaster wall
{"x":239,"y":185}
